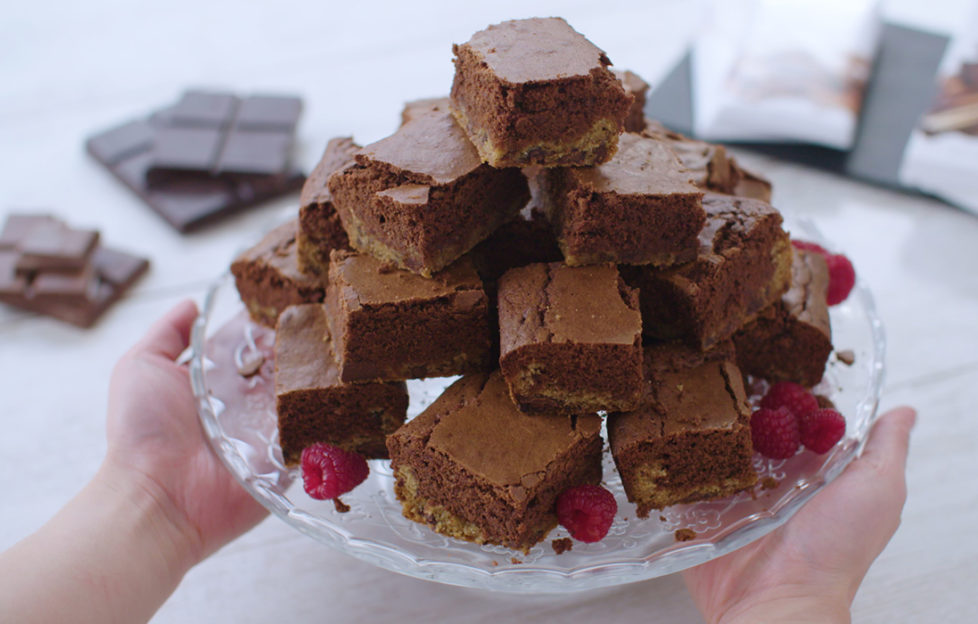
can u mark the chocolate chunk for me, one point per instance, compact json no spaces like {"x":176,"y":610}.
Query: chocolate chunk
{"x":55,"y":284}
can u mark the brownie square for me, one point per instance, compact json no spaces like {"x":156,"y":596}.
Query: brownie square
{"x":415,"y":108}
{"x":421,"y":198}
{"x":570,"y":339}
{"x":320,"y":229}
{"x":636,"y":87}
{"x":791,"y":339}
{"x":537,"y":92}
{"x":473,"y":467}
{"x":268,"y":278}
{"x":638,"y":208}
{"x":390,"y":324}
{"x":314,"y":405}
{"x":690,"y":439}
{"x":710,"y":165}
{"x":743,"y":265}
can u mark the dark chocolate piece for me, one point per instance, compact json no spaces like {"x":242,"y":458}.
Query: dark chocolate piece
{"x":638,"y":208}
{"x":218,"y":133}
{"x":473,"y":467}
{"x":537,"y":92}
{"x":268,"y":279}
{"x":389,"y":324}
{"x":791,"y":339}
{"x":79,"y":295}
{"x":690,"y":439}
{"x":320,"y":229}
{"x":186,"y":200}
{"x":313,"y":405}
{"x":421,"y":198}
{"x":570,"y":339}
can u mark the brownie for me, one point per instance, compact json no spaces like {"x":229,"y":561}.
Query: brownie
{"x":320,"y":229}
{"x":416,"y":108}
{"x":791,"y":339}
{"x":570,"y":339}
{"x":473,"y":467}
{"x":639,"y":208}
{"x":522,"y":241}
{"x":754,"y":185}
{"x":389,"y":324}
{"x":709,"y":164}
{"x":638,"y":89}
{"x":743,"y":265}
{"x":313,"y":405}
{"x":53,"y":269}
{"x":421,"y":197}
{"x":690,"y":439}
{"x":537,"y":92}
{"x":268,"y":278}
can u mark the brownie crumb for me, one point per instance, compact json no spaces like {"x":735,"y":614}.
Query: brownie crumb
{"x":515,"y":561}
{"x":562,"y":545}
{"x":846,"y":356}
{"x":341,"y":507}
{"x":769,"y":483}
{"x":494,"y":563}
{"x":662,"y":518}
{"x":684,"y":535}
{"x":824,"y":402}
{"x":250,"y":363}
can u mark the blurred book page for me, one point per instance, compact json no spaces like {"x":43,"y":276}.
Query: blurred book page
{"x":784,"y":70}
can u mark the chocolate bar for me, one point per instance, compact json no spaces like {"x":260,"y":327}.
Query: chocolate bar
{"x":218,"y":133}
{"x":207,"y":156}
{"x":77,"y":279}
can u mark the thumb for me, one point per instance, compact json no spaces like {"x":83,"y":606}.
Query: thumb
{"x":169,"y":335}
{"x":888,"y":443}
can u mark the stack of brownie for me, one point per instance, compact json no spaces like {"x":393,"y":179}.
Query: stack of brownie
{"x":569,"y":259}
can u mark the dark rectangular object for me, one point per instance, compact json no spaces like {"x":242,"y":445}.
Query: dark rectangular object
{"x":186,"y":200}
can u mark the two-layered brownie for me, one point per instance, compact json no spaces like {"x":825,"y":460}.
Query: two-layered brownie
{"x":314,"y":405}
{"x":537,"y":92}
{"x":791,"y":339}
{"x":320,"y":229}
{"x":743,"y":265}
{"x":390,"y":324}
{"x":473,"y":467}
{"x":421,"y":198}
{"x":268,"y":278}
{"x":570,"y":339}
{"x":690,"y":439}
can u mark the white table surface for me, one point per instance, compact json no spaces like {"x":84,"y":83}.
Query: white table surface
{"x":73,"y":69}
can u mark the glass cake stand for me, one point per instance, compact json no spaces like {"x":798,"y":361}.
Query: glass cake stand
{"x":238,"y":415}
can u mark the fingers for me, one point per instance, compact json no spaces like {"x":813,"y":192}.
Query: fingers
{"x":170,"y":335}
{"x":889,"y":440}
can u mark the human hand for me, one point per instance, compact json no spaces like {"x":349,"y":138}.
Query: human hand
{"x":155,"y":438}
{"x":810,"y":568}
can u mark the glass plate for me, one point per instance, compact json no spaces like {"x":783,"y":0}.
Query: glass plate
{"x":238,"y":415}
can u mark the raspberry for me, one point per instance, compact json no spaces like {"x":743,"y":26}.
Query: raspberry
{"x":586,"y":511}
{"x":821,"y":429}
{"x":328,"y":471}
{"x":788,"y":394}
{"x":842,"y":277}
{"x":809,"y":246}
{"x":774,"y":432}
